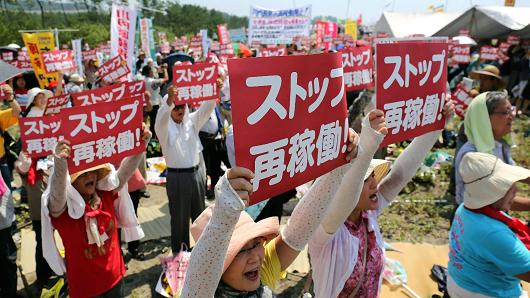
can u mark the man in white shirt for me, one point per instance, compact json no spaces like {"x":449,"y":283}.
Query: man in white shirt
{"x":178,"y":134}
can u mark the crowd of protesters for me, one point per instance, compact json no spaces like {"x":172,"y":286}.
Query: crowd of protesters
{"x":242,"y":252}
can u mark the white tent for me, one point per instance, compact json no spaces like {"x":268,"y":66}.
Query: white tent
{"x":403,"y":24}
{"x":485,"y":22}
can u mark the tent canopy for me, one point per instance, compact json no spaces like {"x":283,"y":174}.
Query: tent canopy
{"x":485,"y":22}
{"x":403,"y":24}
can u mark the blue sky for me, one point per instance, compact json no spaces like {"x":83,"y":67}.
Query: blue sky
{"x":371,"y":9}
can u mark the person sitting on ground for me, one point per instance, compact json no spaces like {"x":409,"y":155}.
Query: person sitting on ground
{"x":87,"y":208}
{"x":237,"y":257}
{"x":488,"y":249}
{"x":347,"y":250}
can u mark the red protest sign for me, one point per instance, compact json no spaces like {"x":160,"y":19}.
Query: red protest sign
{"x":302,"y":97}
{"x":196,"y":44}
{"x":215,"y":46}
{"x":463,"y":32}
{"x":39,"y":135}
{"x":114,"y":69}
{"x":462,"y":100}
{"x":410,"y":86}
{"x":224,"y":36}
{"x":106,"y":134}
{"x":56,"y":104}
{"x":358,"y":67}
{"x":89,"y":55}
{"x":226,"y":49}
{"x":134,"y":90}
{"x":7,"y":56}
{"x":196,"y":82}
{"x":461,"y":54}
{"x":513,"y":39}
{"x":273,"y":52}
{"x":58,"y":60}
{"x":488,"y":53}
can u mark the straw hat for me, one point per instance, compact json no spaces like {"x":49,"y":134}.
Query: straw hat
{"x":102,"y":171}
{"x":379,"y":167}
{"x":33,"y":92}
{"x":75,"y":78}
{"x":487,"y":178}
{"x":488,"y":70}
{"x":245,"y":230}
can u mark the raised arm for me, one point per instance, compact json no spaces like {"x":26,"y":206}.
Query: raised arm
{"x":15,"y":107}
{"x":130,"y":163}
{"x":208,"y":256}
{"x":57,"y":201}
{"x":308,"y":213}
{"x":408,"y":162}
{"x":163,"y":115}
{"x":347,"y":196}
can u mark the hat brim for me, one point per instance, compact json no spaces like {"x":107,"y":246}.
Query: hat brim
{"x":102,"y":171}
{"x":489,"y":190}
{"x":379,"y":167}
{"x":475,"y":75}
{"x":268,"y":228}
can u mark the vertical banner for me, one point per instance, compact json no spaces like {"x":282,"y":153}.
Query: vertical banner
{"x":144,"y":37}
{"x":411,"y":86}
{"x":268,"y":26}
{"x":151,"y":36}
{"x":36,"y":43}
{"x":224,"y":36}
{"x":350,"y":28}
{"x":303,"y":97}
{"x":205,"y":42}
{"x":77,"y":48}
{"x":122,"y":33}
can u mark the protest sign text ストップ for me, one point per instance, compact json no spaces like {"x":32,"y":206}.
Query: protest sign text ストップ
{"x":411,"y":86}
{"x":106,"y":134}
{"x":58,"y":60}
{"x":358,"y":66}
{"x":114,"y":69}
{"x":195,"y":82}
{"x":290,"y":119}
{"x":114,"y":92}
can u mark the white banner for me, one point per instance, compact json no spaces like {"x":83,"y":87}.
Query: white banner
{"x":205,"y":42}
{"x":144,"y":37}
{"x":78,"y":56}
{"x":122,"y":33}
{"x":278,"y":26}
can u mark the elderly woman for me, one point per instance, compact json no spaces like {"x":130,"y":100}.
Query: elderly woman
{"x":254,"y":256}
{"x":86,"y":208}
{"x":489,"y":250}
{"x":488,"y":124}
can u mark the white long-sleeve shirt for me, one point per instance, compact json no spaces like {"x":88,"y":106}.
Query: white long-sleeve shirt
{"x":180,"y":142}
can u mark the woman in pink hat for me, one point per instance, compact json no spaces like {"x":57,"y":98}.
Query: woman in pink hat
{"x":237,"y":257}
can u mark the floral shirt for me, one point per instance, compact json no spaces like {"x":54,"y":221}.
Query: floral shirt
{"x":374,"y":262}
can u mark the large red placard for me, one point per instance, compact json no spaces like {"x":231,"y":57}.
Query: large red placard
{"x":358,"y":66}
{"x":290,"y":119}
{"x":114,"y":92}
{"x":411,"y":87}
{"x":196,"y":82}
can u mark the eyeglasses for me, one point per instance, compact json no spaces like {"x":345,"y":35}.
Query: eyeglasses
{"x":508,"y":112}
{"x":259,"y":242}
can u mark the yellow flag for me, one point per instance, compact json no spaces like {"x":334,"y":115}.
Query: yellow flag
{"x":36,"y":43}
{"x":351,"y":28}
{"x":509,"y":2}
